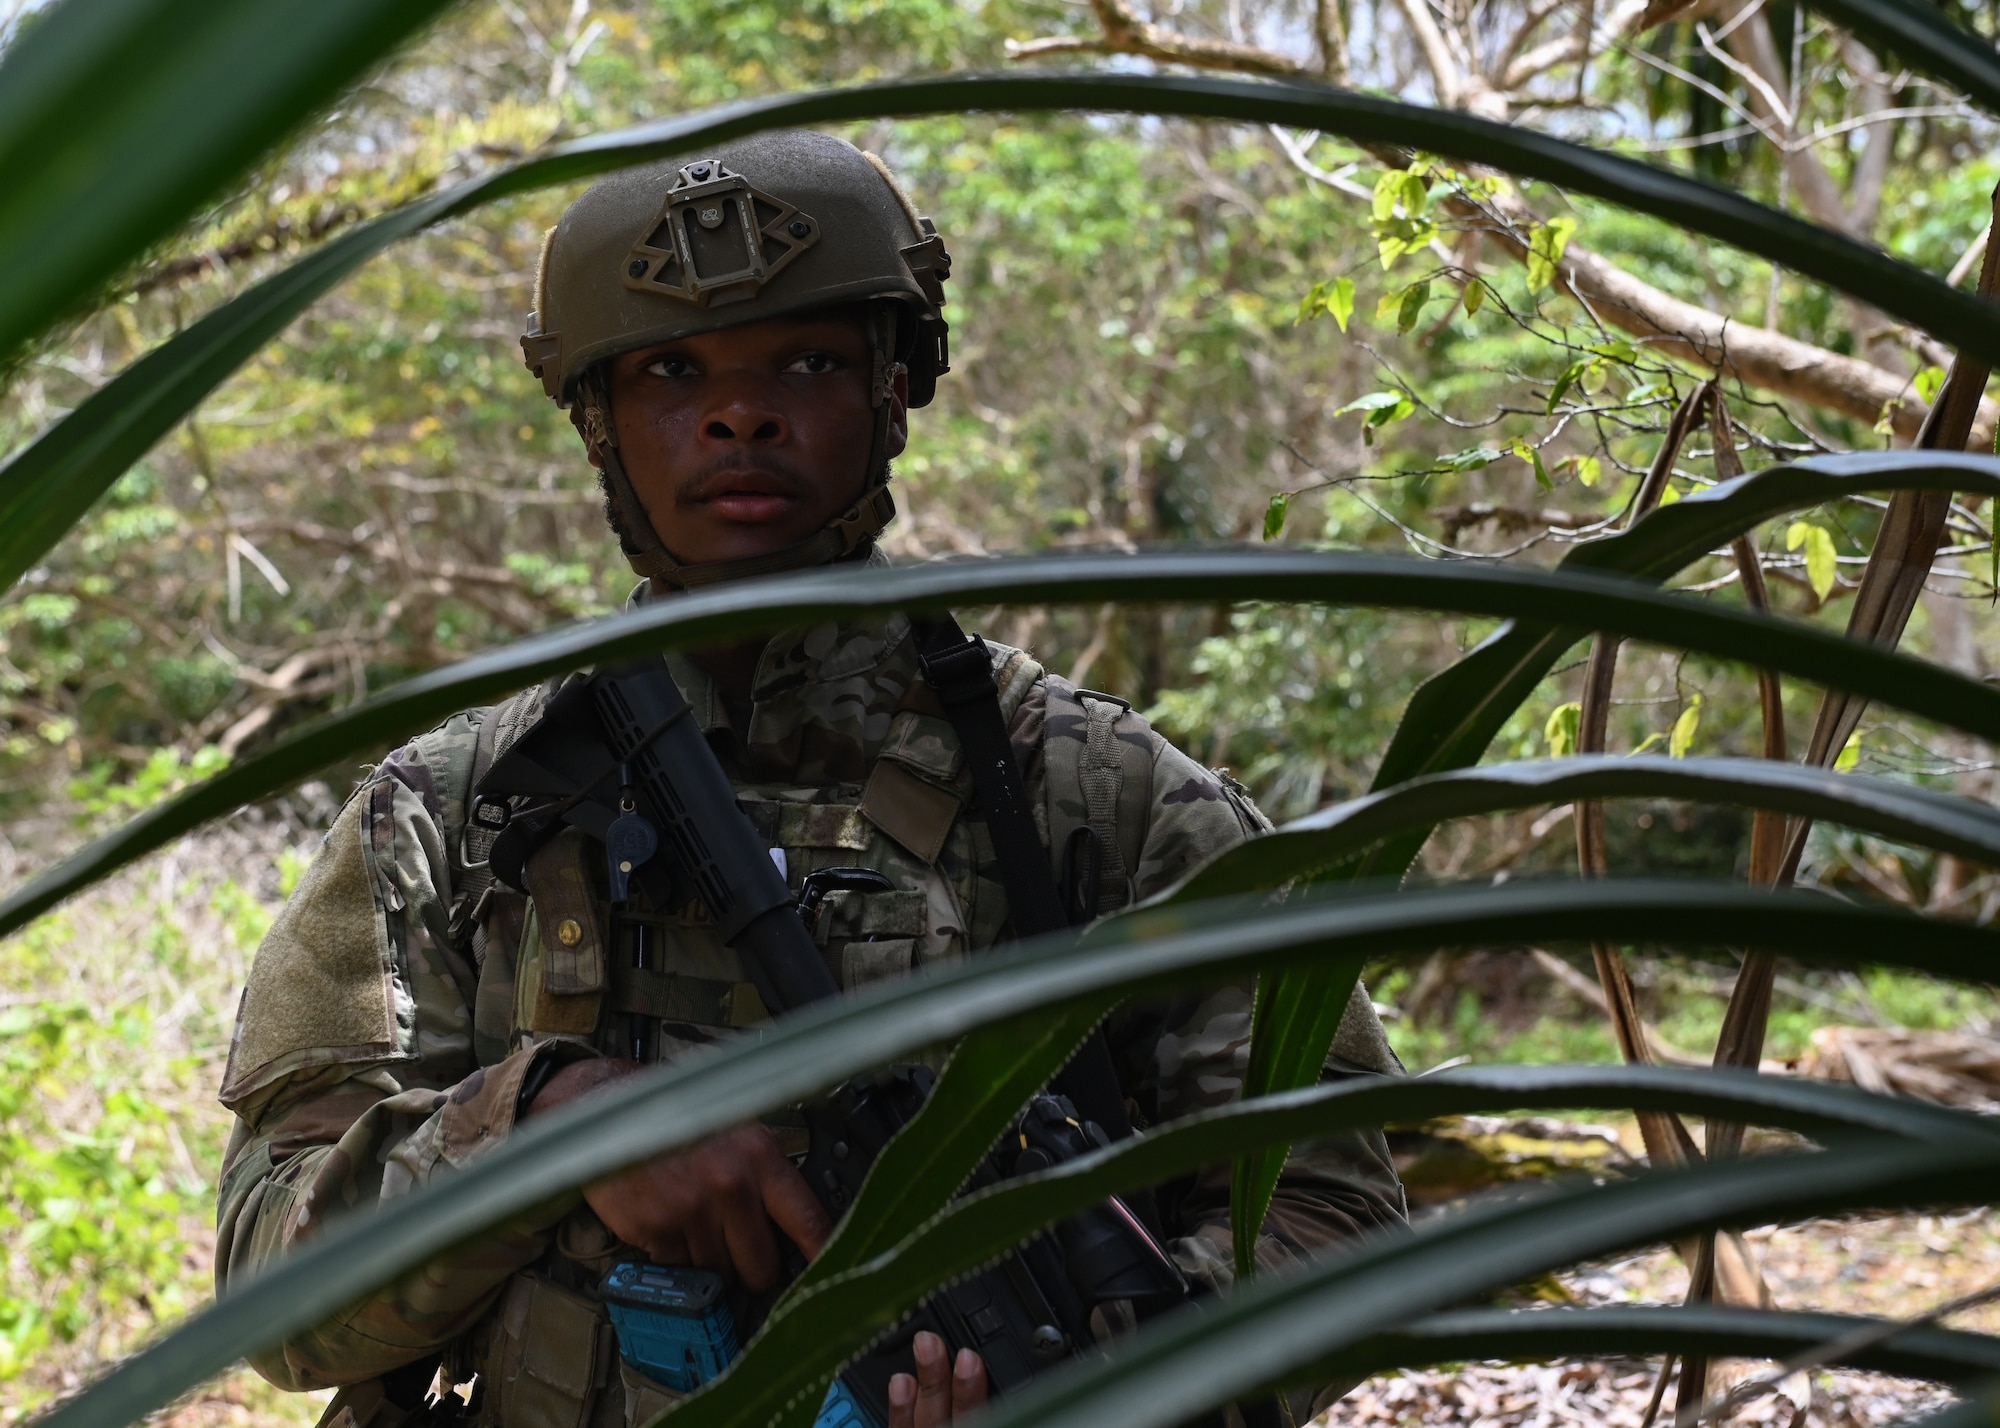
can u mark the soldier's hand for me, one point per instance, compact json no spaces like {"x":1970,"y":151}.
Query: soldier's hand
{"x":717,"y":1206}
{"x":941,"y":1391}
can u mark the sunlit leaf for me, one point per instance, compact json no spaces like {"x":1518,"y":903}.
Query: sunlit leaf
{"x":1565,"y":380}
{"x":1274,"y":515}
{"x":1681,"y":739}
{"x":1545,"y":250}
{"x":1822,"y":564}
{"x":1533,"y":457}
{"x":1560,"y":730}
{"x":1411,"y":310}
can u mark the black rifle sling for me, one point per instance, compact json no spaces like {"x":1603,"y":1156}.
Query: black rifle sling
{"x":959,"y":670}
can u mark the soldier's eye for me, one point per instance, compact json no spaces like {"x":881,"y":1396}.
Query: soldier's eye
{"x":670,"y":367}
{"x":814,"y":364}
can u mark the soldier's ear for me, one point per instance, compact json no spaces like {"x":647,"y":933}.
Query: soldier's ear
{"x":591,"y":451}
{"x":899,"y":412}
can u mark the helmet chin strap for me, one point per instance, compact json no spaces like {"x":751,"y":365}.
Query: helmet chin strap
{"x":847,"y":536}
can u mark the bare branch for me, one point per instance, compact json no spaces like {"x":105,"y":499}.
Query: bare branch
{"x":1622,"y":21}
{"x":1438,"y":58}
{"x":1331,"y":35}
{"x":1756,"y":355}
{"x":1749,"y":40}
{"x":1125,"y":33}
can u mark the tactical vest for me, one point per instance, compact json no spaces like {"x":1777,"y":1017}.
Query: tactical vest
{"x":645,"y":983}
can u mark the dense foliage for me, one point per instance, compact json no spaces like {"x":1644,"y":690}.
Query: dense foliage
{"x":1163,"y":331}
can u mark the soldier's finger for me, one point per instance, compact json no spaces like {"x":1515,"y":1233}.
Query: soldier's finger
{"x":933,"y":1381}
{"x":968,"y":1383}
{"x":669,"y":1248}
{"x":707,"y":1248}
{"x":753,"y":1248}
{"x":791,"y":1203}
{"x":902,"y":1401}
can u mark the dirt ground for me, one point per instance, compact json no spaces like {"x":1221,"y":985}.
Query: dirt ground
{"x":1894,"y":1266}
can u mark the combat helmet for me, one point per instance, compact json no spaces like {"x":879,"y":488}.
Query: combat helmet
{"x":783,"y":222}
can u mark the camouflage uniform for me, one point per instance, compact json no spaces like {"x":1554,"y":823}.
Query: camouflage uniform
{"x":396,"y":1005}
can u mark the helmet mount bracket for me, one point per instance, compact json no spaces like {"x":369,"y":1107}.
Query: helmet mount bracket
{"x":717,"y":239}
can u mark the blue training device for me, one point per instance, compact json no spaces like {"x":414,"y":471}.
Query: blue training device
{"x":674,"y":1325}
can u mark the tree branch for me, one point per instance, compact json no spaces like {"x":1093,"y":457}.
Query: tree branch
{"x":1757,"y":356}
{"x":1331,"y":33}
{"x":1750,"y":41}
{"x":1437,"y":55}
{"x":1124,"y":33}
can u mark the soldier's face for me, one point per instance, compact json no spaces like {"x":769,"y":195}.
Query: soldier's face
{"x":748,"y":440}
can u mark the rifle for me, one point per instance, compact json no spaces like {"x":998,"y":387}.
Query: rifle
{"x":618,"y":755}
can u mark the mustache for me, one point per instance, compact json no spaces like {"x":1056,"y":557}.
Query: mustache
{"x":720,"y":474}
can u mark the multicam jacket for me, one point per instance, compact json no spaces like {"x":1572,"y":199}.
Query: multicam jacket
{"x":401,"y":999}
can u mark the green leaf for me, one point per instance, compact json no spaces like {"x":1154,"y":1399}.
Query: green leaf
{"x":1335,"y":298}
{"x":1475,"y":296}
{"x":1920,"y":35}
{"x":990,"y":1076}
{"x":1681,"y":739}
{"x":1928,"y":383}
{"x":729,"y":1083}
{"x":1380,"y":408}
{"x":1411,"y":310}
{"x":1471,"y":459}
{"x":1388,"y":189}
{"x":1545,"y":250}
{"x":1589,"y":470}
{"x":1849,"y":757}
{"x":1533,"y":457}
{"x":51,"y":484}
{"x":1283,"y":1328}
{"x":1568,"y":378}
{"x":807,"y":1340}
{"x":1621,"y":606}
{"x":1901,"y":812}
{"x":1295,"y":1017}
{"x":1821,"y":562}
{"x":117,"y":120}
{"x":1637,"y":1331}
{"x":1560,"y":730}
{"x":1340,"y":301}
{"x":1454,"y":715}
{"x":1274,"y":515}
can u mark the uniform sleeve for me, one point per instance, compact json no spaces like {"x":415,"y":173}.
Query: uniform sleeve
{"x":352,"y":1078}
{"x":1190,"y":1053}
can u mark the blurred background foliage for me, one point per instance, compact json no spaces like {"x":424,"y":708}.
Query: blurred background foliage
{"x":1161,"y":331}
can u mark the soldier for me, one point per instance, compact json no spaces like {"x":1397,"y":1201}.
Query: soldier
{"x":738,"y":339}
